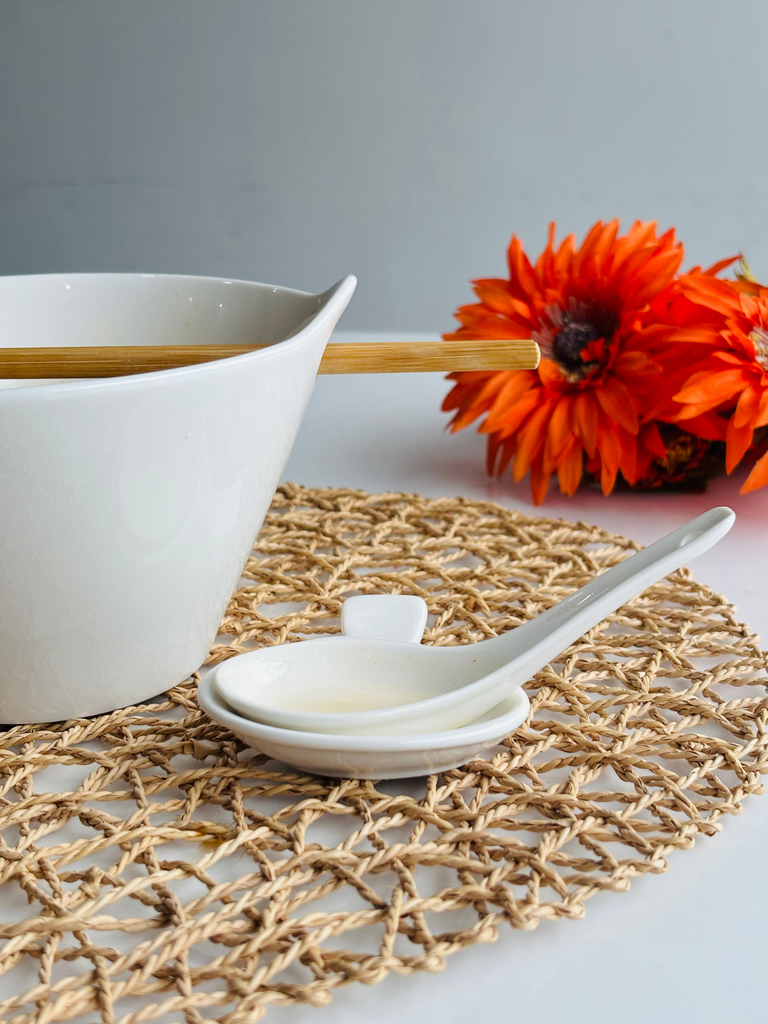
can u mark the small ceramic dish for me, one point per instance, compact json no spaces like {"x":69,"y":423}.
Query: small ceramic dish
{"x":372,"y":757}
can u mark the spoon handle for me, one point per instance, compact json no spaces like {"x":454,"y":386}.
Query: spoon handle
{"x":535,"y":643}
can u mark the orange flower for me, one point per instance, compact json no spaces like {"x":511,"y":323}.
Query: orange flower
{"x":585,"y":306}
{"x":733,"y":375}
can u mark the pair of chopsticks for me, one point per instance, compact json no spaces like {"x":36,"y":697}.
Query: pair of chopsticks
{"x":344,"y":357}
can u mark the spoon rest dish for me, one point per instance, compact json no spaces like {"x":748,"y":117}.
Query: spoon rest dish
{"x":371,"y":757}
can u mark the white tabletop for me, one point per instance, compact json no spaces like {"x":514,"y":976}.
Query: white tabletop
{"x":687,"y":945}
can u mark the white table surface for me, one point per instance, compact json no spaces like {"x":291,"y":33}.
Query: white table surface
{"x":689,"y":945}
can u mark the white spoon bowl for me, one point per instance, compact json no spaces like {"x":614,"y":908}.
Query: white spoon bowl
{"x":355,"y":686}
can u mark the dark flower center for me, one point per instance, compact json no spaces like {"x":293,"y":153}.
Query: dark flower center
{"x":572,"y":337}
{"x":565,"y":333}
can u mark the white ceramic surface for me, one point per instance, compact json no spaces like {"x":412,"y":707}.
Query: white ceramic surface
{"x":129,"y":505}
{"x":372,"y":757}
{"x":375,"y":686}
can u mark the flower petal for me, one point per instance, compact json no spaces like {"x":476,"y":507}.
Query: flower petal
{"x":705,"y":386}
{"x":761,"y":419}
{"x":477,"y":321}
{"x":530,"y":440}
{"x":507,"y":416}
{"x":709,"y":426}
{"x":468,"y":412}
{"x":712,"y":292}
{"x":560,"y":428}
{"x":521,"y":274}
{"x":628,"y":463}
{"x":618,"y":403}
{"x":491,"y":453}
{"x":586,"y":416}
{"x":507,"y":451}
{"x":706,"y":334}
{"x":691,"y":412}
{"x":608,"y":476}
{"x":720,"y":265}
{"x":496,"y":296}
{"x":650,"y":438}
{"x":634,"y":362}
{"x":747,"y":407}
{"x":551,"y":375}
{"x":539,"y":480}
{"x":570,"y":467}
{"x":758,"y":477}
{"x":512,"y":390}
{"x":608,"y":445}
{"x":737,"y":441}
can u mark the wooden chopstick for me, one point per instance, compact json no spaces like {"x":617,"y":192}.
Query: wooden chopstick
{"x":341,"y":357}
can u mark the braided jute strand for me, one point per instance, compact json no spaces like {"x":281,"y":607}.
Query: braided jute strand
{"x":151,"y":867}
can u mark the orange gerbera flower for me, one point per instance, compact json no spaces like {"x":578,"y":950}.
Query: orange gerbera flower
{"x":584,"y":406}
{"x":733,"y":375}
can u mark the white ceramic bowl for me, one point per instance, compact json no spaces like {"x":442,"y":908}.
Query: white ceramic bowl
{"x":129,"y":505}
{"x":371,"y":757}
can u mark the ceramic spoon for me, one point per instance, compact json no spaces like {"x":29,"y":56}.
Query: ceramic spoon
{"x":392,"y":617}
{"x":371,"y":686}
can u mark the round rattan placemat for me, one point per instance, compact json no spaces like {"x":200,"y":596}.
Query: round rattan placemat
{"x":150,"y":866}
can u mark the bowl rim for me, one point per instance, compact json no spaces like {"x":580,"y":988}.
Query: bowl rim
{"x":345,"y":286}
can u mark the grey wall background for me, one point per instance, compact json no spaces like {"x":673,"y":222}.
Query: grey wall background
{"x":403,"y":140}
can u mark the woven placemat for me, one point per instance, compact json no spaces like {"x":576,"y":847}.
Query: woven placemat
{"x":151,"y":867}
